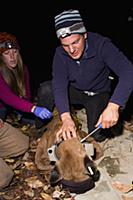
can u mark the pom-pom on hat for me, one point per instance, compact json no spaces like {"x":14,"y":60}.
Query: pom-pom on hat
{"x":7,"y":41}
{"x":69,"y":22}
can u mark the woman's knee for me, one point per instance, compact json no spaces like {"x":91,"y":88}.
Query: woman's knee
{"x":6,"y":174}
{"x":22,"y":144}
{"x":17,"y":143}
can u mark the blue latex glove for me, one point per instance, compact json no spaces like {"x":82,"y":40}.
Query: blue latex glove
{"x":42,"y":112}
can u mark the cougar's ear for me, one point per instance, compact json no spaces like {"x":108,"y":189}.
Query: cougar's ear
{"x":54,"y":177}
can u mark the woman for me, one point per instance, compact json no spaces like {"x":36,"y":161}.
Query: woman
{"x":14,"y":80}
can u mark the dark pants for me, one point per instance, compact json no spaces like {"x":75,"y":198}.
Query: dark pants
{"x":3,"y":113}
{"x":24,"y":118}
{"x":94,"y":105}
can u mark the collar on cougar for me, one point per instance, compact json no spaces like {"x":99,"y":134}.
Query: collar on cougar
{"x":52,"y":153}
{"x":78,"y":187}
{"x":72,"y":186}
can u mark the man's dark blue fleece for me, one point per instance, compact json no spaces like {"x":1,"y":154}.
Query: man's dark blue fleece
{"x":91,"y":72}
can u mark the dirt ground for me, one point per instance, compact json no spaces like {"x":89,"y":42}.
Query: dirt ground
{"x":117,"y":159}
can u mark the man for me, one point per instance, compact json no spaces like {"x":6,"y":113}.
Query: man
{"x":12,"y":144}
{"x":81,"y":68}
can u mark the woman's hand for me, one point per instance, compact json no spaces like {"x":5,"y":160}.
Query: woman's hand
{"x":41,"y":112}
{"x":68,"y":128}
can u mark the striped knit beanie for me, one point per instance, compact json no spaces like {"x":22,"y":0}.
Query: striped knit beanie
{"x":8,"y":41}
{"x":69,"y":22}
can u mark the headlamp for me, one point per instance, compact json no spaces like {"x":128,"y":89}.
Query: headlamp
{"x":9,"y":45}
{"x":75,"y":28}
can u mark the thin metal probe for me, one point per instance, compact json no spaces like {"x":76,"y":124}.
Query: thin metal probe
{"x":83,"y":139}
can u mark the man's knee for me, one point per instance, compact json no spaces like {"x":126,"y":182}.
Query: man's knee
{"x":6,"y":174}
{"x":45,"y":95}
{"x":45,"y":89}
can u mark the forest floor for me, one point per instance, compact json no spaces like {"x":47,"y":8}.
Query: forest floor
{"x":29,"y":183}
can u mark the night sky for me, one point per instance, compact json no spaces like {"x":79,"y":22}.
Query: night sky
{"x":33,"y":25}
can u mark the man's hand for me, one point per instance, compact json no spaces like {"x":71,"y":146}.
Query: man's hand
{"x":68,"y":129}
{"x":109,"y":116}
{"x":1,"y":123}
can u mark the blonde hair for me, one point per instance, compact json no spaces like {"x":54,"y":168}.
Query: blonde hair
{"x":14,"y":78}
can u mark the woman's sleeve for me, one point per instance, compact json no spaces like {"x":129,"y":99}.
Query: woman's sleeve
{"x":11,"y":99}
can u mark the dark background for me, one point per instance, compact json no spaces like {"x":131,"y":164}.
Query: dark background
{"x":33,"y":25}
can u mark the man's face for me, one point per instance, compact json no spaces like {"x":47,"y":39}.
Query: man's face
{"x":74,"y":45}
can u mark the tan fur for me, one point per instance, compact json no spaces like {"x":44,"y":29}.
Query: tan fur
{"x":71,"y":160}
{"x":71,"y":153}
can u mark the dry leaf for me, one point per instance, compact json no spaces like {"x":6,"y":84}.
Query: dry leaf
{"x":121,"y":187}
{"x":26,"y":156}
{"x":9,"y":160}
{"x":17,"y":164}
{"x":17,"y":172}
{"x":30,"y":165}
{"x":45,"y":196}
{"x":33,"y":182}
{"x":127,"y":198}
{"x":46,"y":187}
{"x":29,"y":193}
{"x":25,"y":127}
{"x":57,"y":194}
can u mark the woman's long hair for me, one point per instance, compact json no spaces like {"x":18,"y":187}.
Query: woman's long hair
{"x":14,"y":78}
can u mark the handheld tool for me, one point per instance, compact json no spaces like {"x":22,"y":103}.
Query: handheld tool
{"x":96,"y":129}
